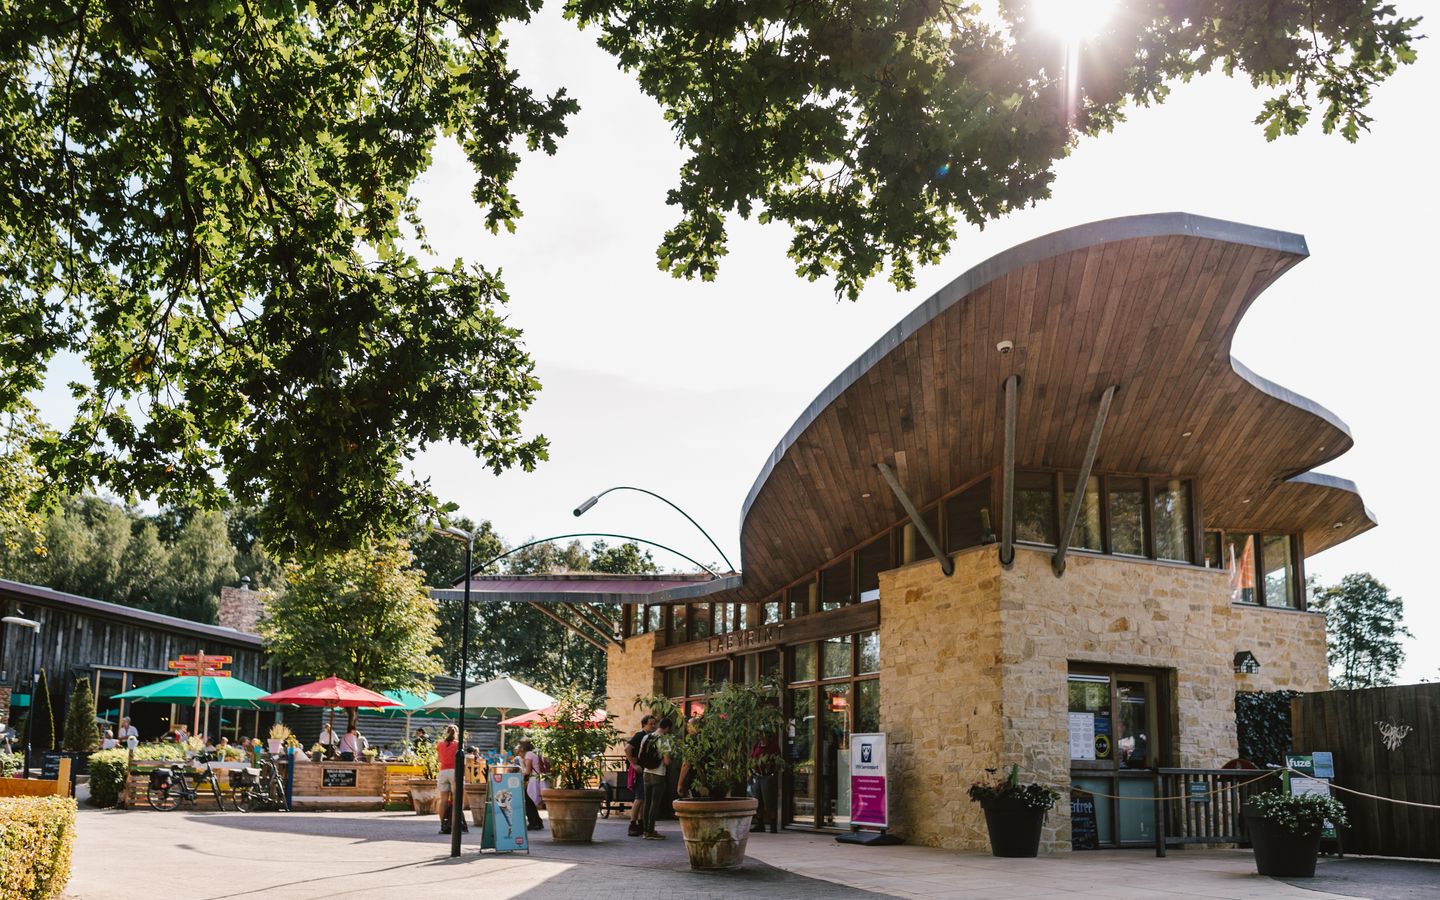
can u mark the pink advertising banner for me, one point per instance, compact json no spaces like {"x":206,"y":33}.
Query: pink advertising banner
{"x":869,"y":803}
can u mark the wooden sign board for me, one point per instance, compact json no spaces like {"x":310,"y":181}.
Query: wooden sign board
{"x":337,"y":778}
{"x":1084,"y":832}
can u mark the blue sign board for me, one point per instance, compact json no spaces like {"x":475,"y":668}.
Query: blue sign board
{"x":504,"y":829}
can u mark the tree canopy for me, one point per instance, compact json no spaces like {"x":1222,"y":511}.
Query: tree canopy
{"x":1364,"y":628}
{"x":210,"y":203}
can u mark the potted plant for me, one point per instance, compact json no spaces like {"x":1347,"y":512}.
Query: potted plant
{"x":279,"y":734}
{"x":1285,"y":831}
{"x":1014,"y":812}
{"x":720,"y":750}
{"x":573,"y":741}
{"x":423,"y":790}
{"x":317,"y":752}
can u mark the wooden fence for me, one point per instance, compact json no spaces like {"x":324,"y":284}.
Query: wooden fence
{"x":1386,"y":742}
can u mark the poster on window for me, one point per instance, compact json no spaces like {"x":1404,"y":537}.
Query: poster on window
{"x":1082,"y":735}
{"x":505,"y":825}
{"x":868,"y":800}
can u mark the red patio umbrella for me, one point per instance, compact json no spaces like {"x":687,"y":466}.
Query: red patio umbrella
{"x":535,"y":719}
{"x":331,"y":692}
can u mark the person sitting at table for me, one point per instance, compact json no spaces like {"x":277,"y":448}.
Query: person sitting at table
{"x":108,"y":742}
{"x":352,"y":745}
{"x":329,"y":741}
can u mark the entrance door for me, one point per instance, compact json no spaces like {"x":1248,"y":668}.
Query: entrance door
{"x":1116,"y":734}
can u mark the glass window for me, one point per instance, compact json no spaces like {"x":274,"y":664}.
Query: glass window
{"x":769,"y":663}
{"x":837,"y":586}
{"x":1134,"y":740}
{"x":1087,"y":534}
{"x":1279,"y":571}
{"x":1171,"y":521}
{"x":869,"y":653}
{"x":800,"y":596}
{"x":722,"y":617}
{"x":912,"y":546}
{"x":1127,"y":516}
{"x":1035,"y":507}
{"x":760,"y":666}
{"x":967,"y":518}
{"x":720,"y":672}
{"x":699,"y":621}
{"x":679,"y":623}
{"x":1240,"y":560}
{"x":835,"y":661}
{"x":696,"y":676}
{"x":742,"y":616}
{"x":802,"y":662}
{"x":867,"y":706}
{"x":675,"y":682}
{"x":1214,"y":553}
{"x":770,"y":612}
{"x":1090,"y":731}
{"x":800,"y":754}
{"x":871,"y":560}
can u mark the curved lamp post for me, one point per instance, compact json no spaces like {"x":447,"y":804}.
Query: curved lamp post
{"x":457,"y":810}
{"x":34,"y":677}
{"x":588,"y":504}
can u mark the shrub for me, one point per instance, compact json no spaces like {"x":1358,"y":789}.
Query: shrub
{"x":1262,"y":725}
{"x":37,"y":835}
{"x":42,"y":737}
{"x":725,"y":744}
{"x":1302,"y":814}
{"x":572,"y":741}
{"x":81,"y":733}
{"x":10,"y":763}
{"x":108,"y":769}
{"x":1033,"y":795}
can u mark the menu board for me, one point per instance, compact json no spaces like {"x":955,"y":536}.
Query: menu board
{"x":1084,"y":833}
{"x":337,"y":778}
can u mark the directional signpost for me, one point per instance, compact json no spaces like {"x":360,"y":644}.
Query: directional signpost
{"x":199,"y":665}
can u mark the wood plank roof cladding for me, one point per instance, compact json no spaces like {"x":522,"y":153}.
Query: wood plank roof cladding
{"x":1149,"y":303}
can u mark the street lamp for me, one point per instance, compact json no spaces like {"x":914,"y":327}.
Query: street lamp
{"x":34,"y":677}
{"x":589,"y":504}
{"x":457,"y":811}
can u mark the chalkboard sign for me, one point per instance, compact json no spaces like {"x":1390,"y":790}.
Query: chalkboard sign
{"x":1084,"y":833}
{"x":50,"y":766}
{"x":331,"y":778}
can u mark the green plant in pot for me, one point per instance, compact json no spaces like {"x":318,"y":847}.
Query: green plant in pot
{"x":1014,"y":812}
{"x":423,"y":791}
{"x":1286,"y":830}
{"x":573,"y":741}
{"x":719,"y":750}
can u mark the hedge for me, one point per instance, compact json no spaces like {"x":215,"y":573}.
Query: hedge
{"x":108,"y":769}
{"x":1262,"y":725}
{"x":37,"y":835}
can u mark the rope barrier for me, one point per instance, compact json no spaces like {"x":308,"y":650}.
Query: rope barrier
{"x":1371,"y":796}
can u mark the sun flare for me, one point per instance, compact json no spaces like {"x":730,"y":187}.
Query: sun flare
{"x":1072,"y":20}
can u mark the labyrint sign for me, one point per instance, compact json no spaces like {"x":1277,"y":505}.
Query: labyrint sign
{"x":869,"y":803}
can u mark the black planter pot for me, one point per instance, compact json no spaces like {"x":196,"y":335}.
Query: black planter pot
{"x":1014,"y":827}
{"x":1279,"y":853}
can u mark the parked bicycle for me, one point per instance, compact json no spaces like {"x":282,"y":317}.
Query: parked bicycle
{"x":257,"y":788}
{"x":168,"y":786}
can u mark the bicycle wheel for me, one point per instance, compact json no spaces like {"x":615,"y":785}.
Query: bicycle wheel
{"x":163,"y":799}
{"x":242,"y":799}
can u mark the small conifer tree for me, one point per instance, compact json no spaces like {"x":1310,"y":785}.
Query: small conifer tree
{"x":42,"y":735}
{"x":81,"y":733}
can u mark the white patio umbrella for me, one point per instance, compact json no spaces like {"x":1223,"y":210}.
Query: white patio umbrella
{"x":504,"y":695}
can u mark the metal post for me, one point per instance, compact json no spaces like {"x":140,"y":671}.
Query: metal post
{"x":34,"y":688}
{"x":947,"y":565}
{"x":1072,"y":516}
{"x":1007,"y":490}
{"x":457,"y":817}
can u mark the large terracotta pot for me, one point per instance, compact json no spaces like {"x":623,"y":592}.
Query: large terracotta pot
{"x":422,"y":796}
{"x":1280,"y":853}
{"x":573,"y":813}
{"x":716,"y":831}
{"x":476,"y":793}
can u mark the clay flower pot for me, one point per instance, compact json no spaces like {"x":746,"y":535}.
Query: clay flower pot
{"x":422,"y":795}
{"x":573,"y":813}
{"x":716,"y":831}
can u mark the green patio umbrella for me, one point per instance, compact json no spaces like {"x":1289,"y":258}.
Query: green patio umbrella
{"x":212,"y":691}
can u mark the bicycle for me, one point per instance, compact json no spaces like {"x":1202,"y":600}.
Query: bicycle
{"x":170,"y":786}
{"x":257,"y":788}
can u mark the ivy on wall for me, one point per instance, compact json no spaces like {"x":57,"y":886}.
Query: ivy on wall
{"x":1262,"y":724}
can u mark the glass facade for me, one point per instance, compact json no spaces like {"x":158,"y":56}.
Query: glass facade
{"x":1174,"y":537}
{"x":1089,"y":530}
{"x":1264,"y":568}
{"x":1117,"y":733}
{"x":1035,"y":507}
{"x":1127,"y":516}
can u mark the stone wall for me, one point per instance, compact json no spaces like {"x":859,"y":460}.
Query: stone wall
{"x":629,"y":674}
{"x":1288,"y":644}
{"x":239,"y":609}
{"x":940,"y":694}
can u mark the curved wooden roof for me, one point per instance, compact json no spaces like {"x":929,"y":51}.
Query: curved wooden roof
{"x":1149,"y":303}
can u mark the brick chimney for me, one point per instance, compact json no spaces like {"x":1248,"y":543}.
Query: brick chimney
{"x":240,"y":607}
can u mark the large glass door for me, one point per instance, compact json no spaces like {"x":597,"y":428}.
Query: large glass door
{"x":1117,"y":732}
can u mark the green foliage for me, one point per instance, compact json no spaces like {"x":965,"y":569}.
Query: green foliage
{"x":719,"y":746}
{"x":572,"y":743}
{"x":20,"y":480}
{"x":82,"y":735}
{"x":42,"y":732}
{"x":1302,"y":814}
{"x":1009,"y":788}
{"x":364,"y":615}
{"x":10,"y":763}
{"x":109,"y":769}
{"x":627,"y":558}
{"x":37,"y":837}
{"x":1364,"y":631}
{"x":428,"y":759}
{"x":1262,"y":724}
{"x":870,"y":128}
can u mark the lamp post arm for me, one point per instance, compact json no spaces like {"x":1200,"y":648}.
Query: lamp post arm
{"x":688,"y":518}
{"x":594,"y":534}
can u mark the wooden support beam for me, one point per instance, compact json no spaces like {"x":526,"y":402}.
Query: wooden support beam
{"x":605,"y":629}
{"x":947,"y":565}
{"x":598,"y":645}
{"x":1072,"y":514}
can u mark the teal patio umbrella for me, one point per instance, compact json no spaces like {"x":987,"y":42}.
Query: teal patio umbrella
{"x":410,"y":704}
{"x":212,"y":691}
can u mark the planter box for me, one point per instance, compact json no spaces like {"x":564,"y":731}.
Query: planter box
{"x":716,"y":831}
{"x":1279,"y":853}
{"x":1014,"y":828}
{"x":573,"y":813}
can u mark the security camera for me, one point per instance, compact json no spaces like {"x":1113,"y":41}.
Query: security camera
{"x":1005,"y":347}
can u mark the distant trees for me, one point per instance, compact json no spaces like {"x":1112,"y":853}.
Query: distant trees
{"x":1363,"y":624}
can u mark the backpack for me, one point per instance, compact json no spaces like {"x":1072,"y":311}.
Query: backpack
{"x":544,"y":766}
{"x":649,"y":755}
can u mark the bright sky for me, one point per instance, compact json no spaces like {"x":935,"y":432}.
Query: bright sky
{"x":685,"y":387}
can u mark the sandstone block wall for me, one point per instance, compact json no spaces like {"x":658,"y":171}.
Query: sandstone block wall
{"x":1288,"y":644}
{"x":629,"y":674}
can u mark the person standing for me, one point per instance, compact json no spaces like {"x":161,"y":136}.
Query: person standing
{"x":127,"y":733}
{"x":329,"y":742}
{"x":352,"y":745}
{"x":530,"y":766}
{"x":637,"y":775}
{"x":445,"y":750}
{"x":654,"y":758}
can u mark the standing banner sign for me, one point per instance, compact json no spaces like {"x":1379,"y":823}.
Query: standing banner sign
{"x":504,"y":829}
{"x":1316,"y":770}
{"x":869,"y":803}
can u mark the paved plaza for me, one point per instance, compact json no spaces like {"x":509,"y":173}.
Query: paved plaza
{"x":326,"y":855}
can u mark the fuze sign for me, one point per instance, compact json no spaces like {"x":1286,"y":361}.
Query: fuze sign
{"x":748,"y":639}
